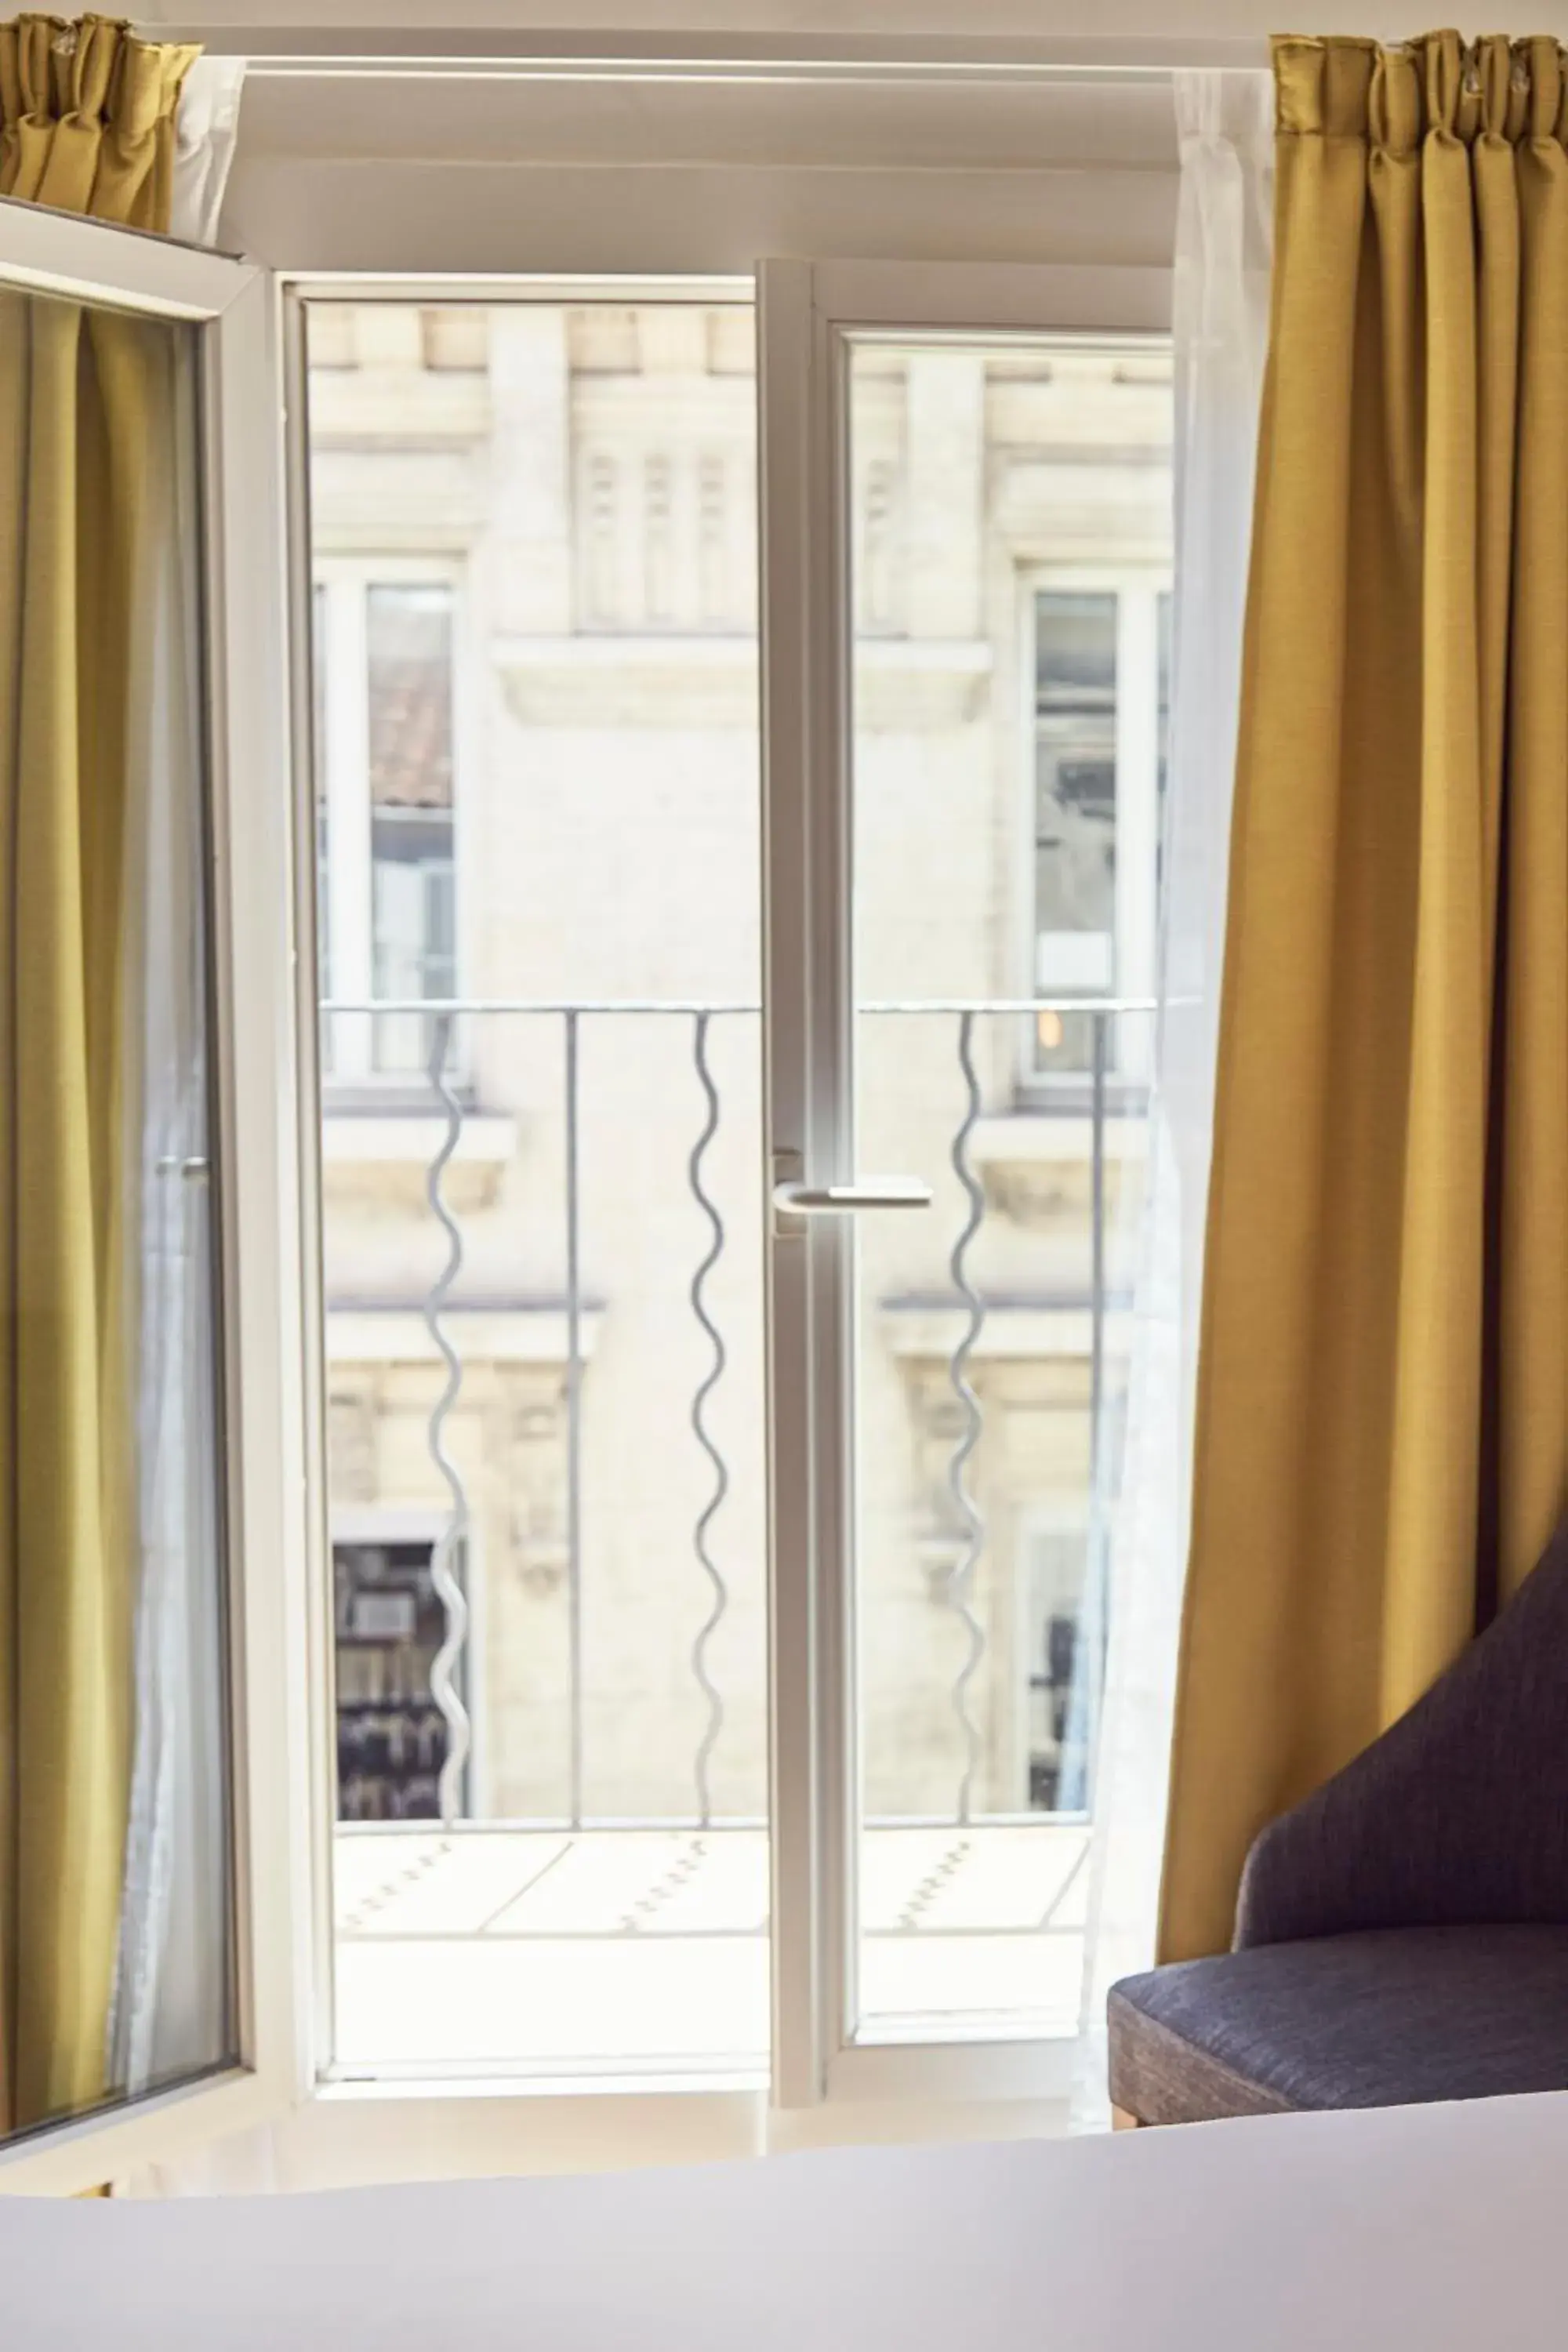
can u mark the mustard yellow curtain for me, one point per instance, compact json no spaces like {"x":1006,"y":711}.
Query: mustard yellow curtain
{"x":1381,"y":1445}
{"x":86,"y":116}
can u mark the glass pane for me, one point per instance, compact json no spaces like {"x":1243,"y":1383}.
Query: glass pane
{"x":413,"y":927}
{"x":1009,"y":544}
{"x":550,"y":1557}
{"x":116,"y":1978}
{"x":408,"y":679}
{"x":1075,"y":815}
{"x":408,"y":670}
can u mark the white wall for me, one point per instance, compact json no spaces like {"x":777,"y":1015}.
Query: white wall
{"x":425,"y":171}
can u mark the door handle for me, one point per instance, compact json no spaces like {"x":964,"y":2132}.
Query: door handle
{"x":837,"y":1200}
{"x":794,"y":1201}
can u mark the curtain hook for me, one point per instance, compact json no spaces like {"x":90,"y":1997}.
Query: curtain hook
{"x":63,"y":42}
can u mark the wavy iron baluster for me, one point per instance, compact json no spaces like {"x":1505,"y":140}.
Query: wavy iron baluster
{"x":576,"y":1729}
{"x":443,"y":1576}
{"x":700,"y":1427}
{"x":961,"y":1578}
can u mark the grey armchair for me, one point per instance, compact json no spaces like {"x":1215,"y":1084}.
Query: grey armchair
{"x":1403,"y":1933}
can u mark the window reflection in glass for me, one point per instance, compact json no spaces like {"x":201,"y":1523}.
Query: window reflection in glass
{"x":1075,"y":814}
{"x":408,"y":682}
{"x":116,"y":1944}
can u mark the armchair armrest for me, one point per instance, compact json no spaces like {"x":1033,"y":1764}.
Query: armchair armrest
{"x":1457,"y":1816}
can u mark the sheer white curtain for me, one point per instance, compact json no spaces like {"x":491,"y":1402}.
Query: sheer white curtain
{"x":172,"y":2002}
{"x":205,"y":130}
{"x":170,"y":2010}
{"x":1219,"y":321}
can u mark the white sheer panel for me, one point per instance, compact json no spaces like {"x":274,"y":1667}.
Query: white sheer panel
{"x":1220,"y":320}
{"x":205,"y":130}
{"x":171,"y":2015}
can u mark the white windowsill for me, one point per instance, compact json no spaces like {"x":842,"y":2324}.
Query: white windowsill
{"x":1009,"y":1333}
{"x":439,"y":2088}
{"x":1031,"y":1137}
{"x":413,"y":1138}
{"x":503,"y":1335}
{"x":607,"y":678}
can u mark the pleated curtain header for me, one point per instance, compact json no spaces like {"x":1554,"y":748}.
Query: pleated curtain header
{"x":1493,"y":88}
{"x":86,"y":116}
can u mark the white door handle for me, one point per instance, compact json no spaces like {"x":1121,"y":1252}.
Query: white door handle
{"x":796,"y":1199}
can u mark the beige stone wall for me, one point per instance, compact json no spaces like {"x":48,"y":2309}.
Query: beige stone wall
{"x":592,"y":479}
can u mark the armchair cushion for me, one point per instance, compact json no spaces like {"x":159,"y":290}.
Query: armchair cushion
{"x":1457,"y":1815}
{"x":1392,"y":2018}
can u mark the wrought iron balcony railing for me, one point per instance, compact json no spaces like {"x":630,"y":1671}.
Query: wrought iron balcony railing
{"x":1088,"y":1091}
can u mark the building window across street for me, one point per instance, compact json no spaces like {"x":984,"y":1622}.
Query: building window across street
{"x":386,"y":728}
{"x":1101,"y":671}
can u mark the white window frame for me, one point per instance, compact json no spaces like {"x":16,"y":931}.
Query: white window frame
{"x":1137,"y":588}
{"x":438,"y":211}
{"x":258,"y":1188}
{"x":338,"y":2132}
{"x":345,"y":583}
{"x":807,"y":313}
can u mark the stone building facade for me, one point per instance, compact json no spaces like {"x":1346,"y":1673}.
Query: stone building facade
{"x":537,"y":750}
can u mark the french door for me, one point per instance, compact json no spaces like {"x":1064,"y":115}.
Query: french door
{"x":152,"y":1811}
{"x":949,"y":1306}
{"x":586,"y":1814}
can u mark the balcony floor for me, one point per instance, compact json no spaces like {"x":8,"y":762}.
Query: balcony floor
{"x":607,"y":1951}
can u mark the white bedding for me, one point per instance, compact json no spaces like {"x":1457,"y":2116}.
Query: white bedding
{"x":1429,"y":2228}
